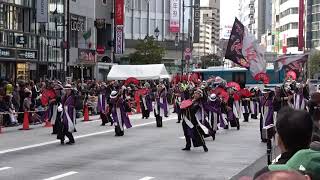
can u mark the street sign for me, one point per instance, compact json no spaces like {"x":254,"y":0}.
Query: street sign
{"x":21,"y":40}
{"x":187,"y":54}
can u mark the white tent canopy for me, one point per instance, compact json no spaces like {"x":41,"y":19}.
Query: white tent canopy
{"x":141,"y":72}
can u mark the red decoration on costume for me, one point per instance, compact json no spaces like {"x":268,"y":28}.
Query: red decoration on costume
{"x":132,"y":80}
{"x":234,"y":84}
{"x":291,"y":74}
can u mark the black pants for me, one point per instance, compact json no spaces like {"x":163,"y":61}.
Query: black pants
{"x":246,"y":117}
{"x":65,"y":133}
{"x":145,"y":113}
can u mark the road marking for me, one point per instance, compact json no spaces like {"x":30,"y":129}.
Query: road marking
{"x":5,"y":168}
{"x":147,"y":178}
{"x":62,"y":175}
{"x":182,"y":137}
{"x":76,"y":137}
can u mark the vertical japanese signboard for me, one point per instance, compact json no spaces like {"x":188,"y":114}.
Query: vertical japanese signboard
{"x":174,"y":16}
{"x":42,"y":11}
{"x":301,"y":25}
{"x":119,"y":26}
{"x":196,"y":29}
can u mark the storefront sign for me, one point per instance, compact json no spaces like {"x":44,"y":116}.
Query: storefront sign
{"x":42,"y":11}
{"x":7,"y":53}
{"x":27,"y":54}
{"x":119,"y":40}
{"x":119,"y":12}
{"x":196,"y":28}
{"x":21,"y":40}
{"x":87,"y":55}
{"x":77,"y":23}
{"x":174,"y":16}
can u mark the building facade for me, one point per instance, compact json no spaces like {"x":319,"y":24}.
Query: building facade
{"x":313,"y":24}
{"x":30,"y":50}
{"x":256,"y":15}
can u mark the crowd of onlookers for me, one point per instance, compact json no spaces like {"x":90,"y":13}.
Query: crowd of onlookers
{"x":26,"y":96}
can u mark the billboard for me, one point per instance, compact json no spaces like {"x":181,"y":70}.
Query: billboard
{"x":119,"y":24}
{"x":174,"y":16}
{"x":42,"y":11}
{"x":196,"y":28}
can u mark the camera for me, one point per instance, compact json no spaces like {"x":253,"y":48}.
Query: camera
{"x":268,"y":132}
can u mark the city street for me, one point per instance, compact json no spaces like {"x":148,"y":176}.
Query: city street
{"x":145,"y":152}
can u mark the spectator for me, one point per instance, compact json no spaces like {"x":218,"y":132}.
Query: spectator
{"x":282,"y":175}
{"x":294,"y":131}
{"x":305,"y":161}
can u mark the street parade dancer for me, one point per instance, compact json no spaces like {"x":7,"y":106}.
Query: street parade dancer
{"x":254,"y":103}
{"x":232,"y":111}
{"x":245,"y":108}
{"x":190,"y":124}
{"x":68,"y":115}
{"x":56,"y":124}
{"x":213,"y":109}
{"x":298,"y":101}
{"x":178,"y":98}
{"x":267,"y":112}
{"x":102,"y":104}
{"x":146,"y":101}
{"x":119,"y":113}
{"x":161,"y":105}
{"x":205,"y":128}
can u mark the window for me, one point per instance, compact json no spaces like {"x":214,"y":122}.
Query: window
{"x":292,"y":42}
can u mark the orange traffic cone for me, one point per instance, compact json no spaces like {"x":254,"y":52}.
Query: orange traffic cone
{"x":25,"y":125}
{"x":85,"y":113}
{"x":47,"y":124}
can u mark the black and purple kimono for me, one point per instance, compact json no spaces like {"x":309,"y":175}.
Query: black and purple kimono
{"x":267,"y":113}
{"x":299,"y":101}
{"x":161,"y":104}
{"x":213,"y":109}
{"x":204,"y":124}
{"x":69,"y":114}
{"x":191,"y":127}
{"x":119,"y":114}
{"x":146,"y":104}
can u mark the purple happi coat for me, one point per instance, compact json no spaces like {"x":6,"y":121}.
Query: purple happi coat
{"x":266,"y":111}
{"x":162,"y":103}
{"x":102,"y":101}
{"x":147,"y":101}
{"x":299,"y":101}
{"x":69,"y":116}
{"x":119,"y":115}
{"x":213,"y":109}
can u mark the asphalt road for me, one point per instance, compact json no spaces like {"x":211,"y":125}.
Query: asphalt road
{"x":145,"y":152}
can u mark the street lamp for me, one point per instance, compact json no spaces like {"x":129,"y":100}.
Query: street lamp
{"x":157,"y":32}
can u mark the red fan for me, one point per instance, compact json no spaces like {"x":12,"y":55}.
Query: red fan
{"x":245,"y":93}
{"x":143,"y":91}
{"x":234,"y":84}
{"x":185,"y":104}
{"x":194,"y":77}
{"x":236,"y":97}
{"x":221,"y":93}
{"x":131,"y":80}
{"x":47,"y":95}
{"x":291,"y":74}
{"x":262,"y":77}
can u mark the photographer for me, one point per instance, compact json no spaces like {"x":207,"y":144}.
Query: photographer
{"x":294,"y":131}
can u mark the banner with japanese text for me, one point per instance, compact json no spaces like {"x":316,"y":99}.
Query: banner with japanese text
{"x":174,"y":16}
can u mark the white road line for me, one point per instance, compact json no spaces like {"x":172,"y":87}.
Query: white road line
{"x":4,"y":168}
{"x":147,"y":178}
{"x":76,"y":137}
{"x":182,"y":137}
{"x":61,"y":175}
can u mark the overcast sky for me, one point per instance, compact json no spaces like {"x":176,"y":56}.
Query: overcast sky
{"x":229,"y":10}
